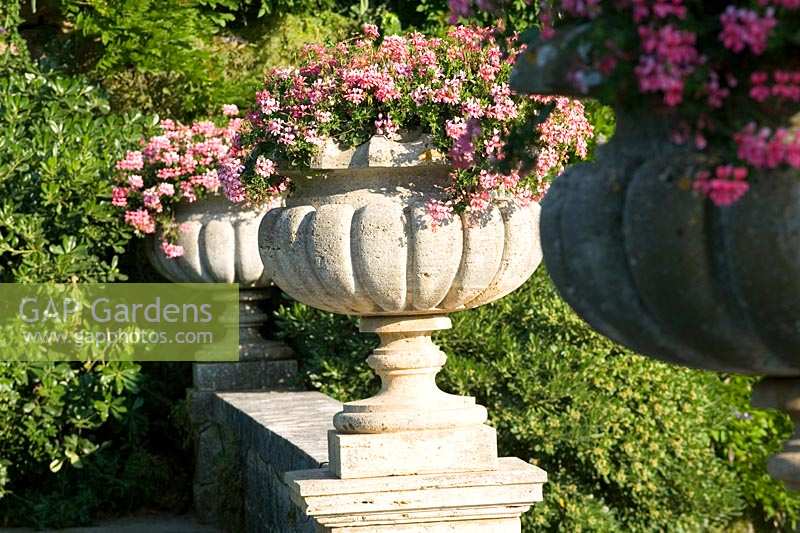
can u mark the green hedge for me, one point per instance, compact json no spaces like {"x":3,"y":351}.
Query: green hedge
{"x":630,"y":444}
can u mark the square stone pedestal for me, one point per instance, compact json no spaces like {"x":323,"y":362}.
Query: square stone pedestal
{"x":473,"y":502}
{"x":431,"y":451}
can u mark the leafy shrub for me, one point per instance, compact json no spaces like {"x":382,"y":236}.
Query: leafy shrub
{"x":629,"y":444}
{"x":58,"y":143}
{"x":177,"y":58}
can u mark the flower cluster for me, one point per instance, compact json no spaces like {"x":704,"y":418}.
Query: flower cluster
{"x":454,"y":88}
{"x":728,"y":72}
{"x":178,"y":165}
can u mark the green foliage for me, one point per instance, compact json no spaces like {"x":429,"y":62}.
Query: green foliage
{"x":249,"y":52}
{"x":630,"y":444}
{"x":177,"y":58}
{"x":73,"y":441}
{"x":185,"y":58}
{"x":58,"y":144}
{"x":162,"y":43}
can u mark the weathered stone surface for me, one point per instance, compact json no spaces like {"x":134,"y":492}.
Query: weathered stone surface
{"x":216,"y":486}
{"x":354,"y":239}
{"x":280,"y":432}
{"x":407,"y":362}
{"x":438,"y":450}
{"x":287,"y":428}
{"x":458,"y":502}
{"x":415,"y":149}
{"x":254,"y":438}
{"x":659,"y":269}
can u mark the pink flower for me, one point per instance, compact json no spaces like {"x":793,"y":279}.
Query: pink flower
{"x":132,"y":161}
{"x":229,"y":174}
{"x":726,"y":188}
{"x":462,"y":154}
{"x":210,"y":180}
{"x":449,"y":87}
{"x":456,"y":128}
{"x":488,"y":180}
{"x":152,"y":200}
{"x":582,"y":8}
{"x":438,"y":212}
{"x":187,"y":192}
{"x":166,"y":189}
{"x":119,"y":197}
{"x":385,"y":126}
{"x":141,"y":220}
{"x":494,"y":145}
{"x":370,"y":31}
{"x":472,"y":108}
{"x":742,"y":28}
{"x":480,"y":201}
{"x":669,"y":57}
{"x":135,"y":181}
{"x":171,"y":250}
{"x":230,"y":110}
{"x":355,"y":96}
{"x":265,"y":167}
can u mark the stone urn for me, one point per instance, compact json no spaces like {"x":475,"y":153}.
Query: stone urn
{"x":659,"y":268}
{"x":354,"y":239}
{"x":220,"y":245}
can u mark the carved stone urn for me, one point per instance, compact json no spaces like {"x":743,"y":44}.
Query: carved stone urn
{"x":354,"y":239}
{"x":220,"y":242}
{"x":662,"y":270}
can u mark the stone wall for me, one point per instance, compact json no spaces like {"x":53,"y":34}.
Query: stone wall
{"x":248,"y":441}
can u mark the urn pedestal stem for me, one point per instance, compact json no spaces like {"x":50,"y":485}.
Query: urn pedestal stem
{"x":783,"y":394}
{"x":410,"y":426}
{"x":407,"y":362}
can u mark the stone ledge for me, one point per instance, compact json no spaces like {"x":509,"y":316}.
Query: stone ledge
{"x":275,"y":432}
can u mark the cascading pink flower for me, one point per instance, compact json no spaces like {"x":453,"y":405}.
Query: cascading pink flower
{"x":119,"y":197}
{"x":177,"y":165}
{"x":454,"y":88}
{"x":744,"y":28}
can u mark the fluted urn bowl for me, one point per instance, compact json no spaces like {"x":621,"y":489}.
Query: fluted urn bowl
{"x":662,"y":270}
{"x":354,"y":237}
{"x":220,"y":245}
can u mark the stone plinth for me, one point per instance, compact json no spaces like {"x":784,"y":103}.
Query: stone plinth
{"x":490,"y":501}
{"x":272,"y":367}
{"x":412,"y":452}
